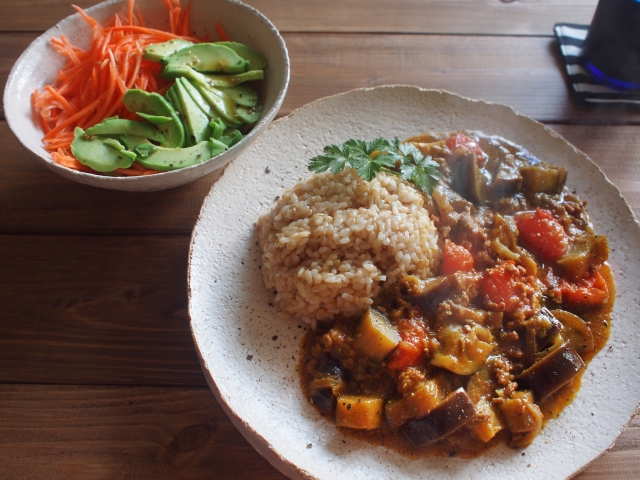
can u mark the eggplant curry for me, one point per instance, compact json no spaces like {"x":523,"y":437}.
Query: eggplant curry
{"x":495,"y":345}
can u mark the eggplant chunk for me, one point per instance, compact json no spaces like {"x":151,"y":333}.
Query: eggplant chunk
{"x":431,"y":293}
{"x":584,"y":256}
{"x":523,"y":418}
{"x":455,"y":410}
{"x":375,"y":336}
{"x":543,"y":178}
{"x":551,"y":372}
{"x":468,"y":179}
{"x":575,"y":331}
{"x":541,"y":331}
{"x":481,"y":389}
{"x":362,"y":413}
{"x":323,"y":391}
{"x":507,"y":181}
{"x":397,"y":412}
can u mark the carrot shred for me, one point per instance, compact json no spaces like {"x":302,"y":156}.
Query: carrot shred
{"x":90,"y":87}
{"x":222,"y":33}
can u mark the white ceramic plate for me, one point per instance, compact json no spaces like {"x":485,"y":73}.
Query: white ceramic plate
{"x":38,"y":65}
{"x":249,"y":353}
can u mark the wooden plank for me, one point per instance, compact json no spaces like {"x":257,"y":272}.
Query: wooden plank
{"x":60,"y":432}
{"x":95,"y":310}
{"x":36,"y":200}
{"x":409,"y":16}
{"x":33,"y":199}
{"x":11,"y":47}
{"x":489,"y":17}
{"x":523,"y":72}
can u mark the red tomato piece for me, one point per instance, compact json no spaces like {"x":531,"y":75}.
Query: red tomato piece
{"x":405,"y":355}
{"x":461,"y":140}
{"x":455,"y":258}
{"x":590,"y":291}
{"x":499,"y":285}
{"x":542,"y":234}
{"x":410,"y":351}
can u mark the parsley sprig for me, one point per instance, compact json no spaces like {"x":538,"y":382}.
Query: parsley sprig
{"x":380,"y":155}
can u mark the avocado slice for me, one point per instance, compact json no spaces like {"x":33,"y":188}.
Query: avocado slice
{"x":166,"y":159}
{"x":158,"y":51}
{"x":208,"y":57}
{"x":102,"y":155}
{"x":228,"y":136}
{"x":240,"y":94}
{"x":154,"y":104}
{"x":120,"y":126}
{"x":196,"y":122}
{"x":256,"y":60}
{"x":226,"y":102}
{"x":131,"y":142}
{"x":199,"y":99}
{"x":175,"y":71}
{"x":223,"y":107}
{"x":155,"y":119}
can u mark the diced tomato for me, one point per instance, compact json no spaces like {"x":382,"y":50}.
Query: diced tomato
{"x":499,"y":286}
{"x":461,"y":140}
{"x":404,"y":355}
{"x":410,"y":351}
{"x":542,"y":234}
{"x":455,"y":258}
{"x":590,"y":291}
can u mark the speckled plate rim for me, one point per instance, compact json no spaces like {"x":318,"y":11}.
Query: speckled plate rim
{"x":249,"y":355}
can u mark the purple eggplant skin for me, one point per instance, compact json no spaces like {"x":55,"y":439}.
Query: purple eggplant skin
{"x":552,"y":372}
{"x":433,"y":291}
{"x":453,"y":412}
{"x":324,"y":400}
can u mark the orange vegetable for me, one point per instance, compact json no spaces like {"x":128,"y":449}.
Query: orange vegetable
{"x":89,"y":88}
{"x":542,"y":234}
{"x":499,"y":285}
{"x":590,"y":291}
{"x":405,"y":355}
{"x":410,"y":351}
{"x":455,"y":258}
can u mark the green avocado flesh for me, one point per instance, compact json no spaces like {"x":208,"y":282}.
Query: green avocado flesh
{"x":255,"y":59}
{"x":153,"y":104}
{"x":199,"y":116}
{"x":166,"y":159}
{"x":208,"y":57}
{"x":158,"y":51}
{"x":118,"y":126}
{"x":102,"y":155}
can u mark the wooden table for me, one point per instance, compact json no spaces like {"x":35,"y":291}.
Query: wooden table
{"x":99,"y":378}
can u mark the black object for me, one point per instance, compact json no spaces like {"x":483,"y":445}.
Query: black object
{"x":611,"y":51}
{"x":571,"y":38}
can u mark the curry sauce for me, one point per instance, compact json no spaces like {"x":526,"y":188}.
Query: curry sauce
{"x":495,"y":345}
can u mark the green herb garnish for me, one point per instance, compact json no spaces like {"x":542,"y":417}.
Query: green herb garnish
{"x":380,"y":155}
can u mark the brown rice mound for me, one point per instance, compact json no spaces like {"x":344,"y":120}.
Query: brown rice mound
{"x":332,"y":241}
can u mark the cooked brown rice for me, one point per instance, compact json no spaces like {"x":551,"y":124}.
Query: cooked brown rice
{"x":333,"y":240}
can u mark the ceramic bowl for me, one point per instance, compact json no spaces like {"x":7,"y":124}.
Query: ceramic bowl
{"x":250,"y":352}
{"x":38,"y":65}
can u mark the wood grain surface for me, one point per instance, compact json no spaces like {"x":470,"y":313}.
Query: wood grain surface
{"x":105,"y":432}
{"x":512,"y":17}
{"x":493,"y":68}
{"x":99,"y":378}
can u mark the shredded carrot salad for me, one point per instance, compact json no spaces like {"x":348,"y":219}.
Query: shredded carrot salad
{"x":90,"y":87}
